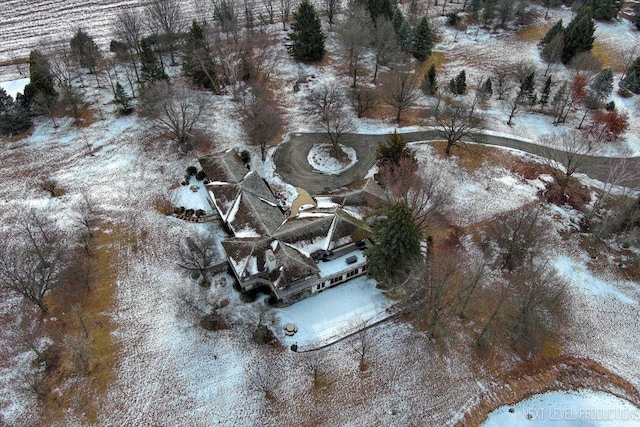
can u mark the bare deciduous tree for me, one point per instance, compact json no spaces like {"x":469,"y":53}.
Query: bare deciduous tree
{"x":128,"y":29}
{"x":537,"y":306}
{"x":384,"y":42}
{"x":314,"y":364}
{"x":567,"y":151}
{"x":331,"y":8}
{"x":198,"y":255}
{"x":518,"y":237}
{"x":363,"y":100}
{"x":360,"y":344}
{"x":85,"y":216}
{"x":262,"y":120}
{"x":326,"y":106}
{"x":455,"y":122}
{"x":226,"y":13}
{"x":176,"y":109}
{"x":402,"y":93}
{"x":424,"y":191}
{"x":165,"y":20}
{"x":33,"y":259}
{"x":354,"y":36}
{"x":285,"y":12}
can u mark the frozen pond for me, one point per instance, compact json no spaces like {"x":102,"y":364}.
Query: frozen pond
{"x":567,"y":409}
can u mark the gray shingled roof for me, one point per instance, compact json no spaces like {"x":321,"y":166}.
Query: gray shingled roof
{"x":225,"y":167}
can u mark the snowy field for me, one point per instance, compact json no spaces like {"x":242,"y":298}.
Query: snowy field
{"x":567,"y":409}
{"x":172,"y":372}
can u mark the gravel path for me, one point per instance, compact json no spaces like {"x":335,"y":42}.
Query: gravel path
{"x":291,"y":158}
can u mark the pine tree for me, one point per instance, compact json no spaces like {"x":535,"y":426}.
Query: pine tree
{"x":487,"y":88}
{"x":41,"y":84}
{"x":122,"y":99}
{"x":405,"y":36}
{"x":636,"y":15}
{"x":84,"y":50}
{"x":14,"y":119}
{"x":527,"y":88}
{"x":422,"y":40}
{"x":397,"y":19}
{"x":604,"y":10}
{"x":393,"y":149}
{"x":546,"y":91}
{"x":579,"y":35}
{"x":306,"y":40}
{"x":461,"y":83}
{"x":429,"y":83}
{"x":397,"y":241}
{"x":602,"y":86}
{"x":631,"y":81}
{"x":379,"y":8}
{"x":198,"y":64}
{"x":150,"y":68}
{"x":553,"y":31}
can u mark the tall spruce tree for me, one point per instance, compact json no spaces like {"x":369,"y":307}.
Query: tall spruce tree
{"x":553,"y":31}
{"x":546,"y":91}
{"x":429,"y":83}
{"x":151,"y":69}
{"x":422,"y":40}
{"x":636,"y":15}
{"x":604,"y":10}
{"x":306,"y":39}
{"x":602,"y":86}
{"x":41,"y":85}
{"x":458,"y":85}
{"x":579,"y":35}
{"x":14,"y":119}
{"x":198,"y":64}
{"x":631,"y":80}
{"x":378,"y":8}
{"x":84,"y":50}
{"x":397,"y":243}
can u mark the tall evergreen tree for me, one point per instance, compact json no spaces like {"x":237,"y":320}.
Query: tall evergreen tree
{"x":122,"y":99}
{"x":422,"y":40}
{"x":397,"y":19}
{"x":397,"y":243}
{"x":306,"y":39}
{"x":458,"y":85}
{"x":378,"y":8}
{"x":636,"y":15}
{"x":604,"y":10}
{"x":553,"y":31}
{"x":14,"y":119}
{"x":41,"y":83}
{"x":151,"y":69}
{"x":631,"y":81}
{"x":546,"y":91}
{"x":487,"y":88}
{"x":430,"y":84}
{"x":84,"y":50}
{"x":602,"y":86}
{"x":198,"y":64}
{"x":579,"y":35}
{"x":405,"y":36}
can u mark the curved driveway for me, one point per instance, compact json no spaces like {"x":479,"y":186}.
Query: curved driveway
{"x":292,"y":165}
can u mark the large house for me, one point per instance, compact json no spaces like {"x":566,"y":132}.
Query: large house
{"x":318,"y":245}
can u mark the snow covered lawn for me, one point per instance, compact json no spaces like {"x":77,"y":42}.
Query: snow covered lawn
{"x":567,"y":409}
{"x":14,"y":87}
{"x":321,"y":159}
{"x":184,"y":196}
{"x":333,"y":313}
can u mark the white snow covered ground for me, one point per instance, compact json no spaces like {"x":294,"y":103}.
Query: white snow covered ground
{"x":567,"y":409}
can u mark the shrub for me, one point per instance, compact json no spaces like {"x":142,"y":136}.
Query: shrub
{"x":189,"y":212}
{"x":200,"y":212}
{"x":191,"y":170}
{"x":245,"y":156}
{"x":201,"y":175}
{"x":183,"y":183}
{"x":178,"y":210}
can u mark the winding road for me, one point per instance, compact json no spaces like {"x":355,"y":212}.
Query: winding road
{"x":292,"y":165}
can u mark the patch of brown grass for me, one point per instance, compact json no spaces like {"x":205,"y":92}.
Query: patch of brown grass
{"x":162,"y":204}
{"x":532,"y":33}
{"x":86,"y":117}
{"x":83,"y":316}
{"x":473,"y":156}
{"x":609,"y":57}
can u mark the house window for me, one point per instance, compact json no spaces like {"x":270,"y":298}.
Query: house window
{"x":352,"y":273}
{"x":336,"y":279}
